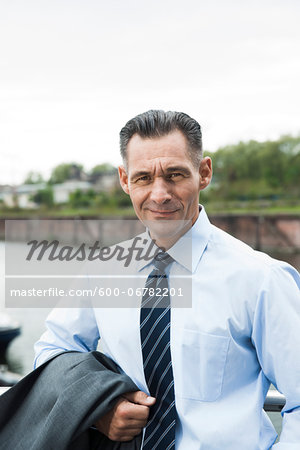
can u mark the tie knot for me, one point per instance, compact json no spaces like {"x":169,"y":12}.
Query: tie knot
{"x":162,"y":260}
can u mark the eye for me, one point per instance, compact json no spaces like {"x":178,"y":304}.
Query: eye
{"x":175,"y":175}
{"x":142,"y":179}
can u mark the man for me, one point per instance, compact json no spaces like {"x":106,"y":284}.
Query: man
{"x":240,"y":334}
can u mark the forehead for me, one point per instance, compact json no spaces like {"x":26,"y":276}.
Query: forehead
{"x":168,"y":147}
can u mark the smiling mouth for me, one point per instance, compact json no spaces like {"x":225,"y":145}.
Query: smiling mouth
{"x":163,"y":213}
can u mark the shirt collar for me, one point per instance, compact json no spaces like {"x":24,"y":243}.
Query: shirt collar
{"x":188,"y":250}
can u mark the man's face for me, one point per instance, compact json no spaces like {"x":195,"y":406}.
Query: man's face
{"x":162,"y":181}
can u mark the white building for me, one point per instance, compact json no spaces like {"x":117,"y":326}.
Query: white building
{"x":61,"y":192}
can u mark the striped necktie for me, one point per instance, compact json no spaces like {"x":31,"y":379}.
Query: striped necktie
{"x":155,"y":341}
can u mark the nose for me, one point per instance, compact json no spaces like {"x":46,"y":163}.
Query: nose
{"x":160,"y":191}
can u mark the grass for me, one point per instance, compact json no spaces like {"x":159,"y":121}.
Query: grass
{"x":66,"y":212}
{"x":259,"y":207}
{"x":251,"y":208}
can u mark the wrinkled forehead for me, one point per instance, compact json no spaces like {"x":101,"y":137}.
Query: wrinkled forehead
{"x":164,"y":148}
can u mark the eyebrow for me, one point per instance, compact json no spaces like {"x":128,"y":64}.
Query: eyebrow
{"x":141,"y":173}
{"x":168,"y":170}
{"x":178,"y":169}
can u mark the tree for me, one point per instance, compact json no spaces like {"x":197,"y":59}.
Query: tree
{"x":81,"y":199}
{"x":122,"y":200}
{"x":43,"y":197}
{"x":66,"y":171}
{"x":33,"y":178}
{"x":255,"y":170}
{"x":102,"y":168}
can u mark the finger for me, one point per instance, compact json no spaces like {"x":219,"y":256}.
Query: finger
{"x":135,"y":431}
{"x":134,"y":424}
{"x":126,"y":435}
{"x":140,"y":397}
{"x":131,"y":411}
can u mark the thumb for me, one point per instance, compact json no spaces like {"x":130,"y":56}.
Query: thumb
{"x":140,"y":398}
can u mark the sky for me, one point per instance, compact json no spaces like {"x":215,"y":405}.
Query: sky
{"x":73,"y":72}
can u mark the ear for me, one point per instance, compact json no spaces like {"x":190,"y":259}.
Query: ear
{"x":205,"y":171}
{"x":123,"y":179}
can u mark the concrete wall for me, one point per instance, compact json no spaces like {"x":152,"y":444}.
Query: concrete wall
{"x":279,"y":233}
{"x":268,"y":233}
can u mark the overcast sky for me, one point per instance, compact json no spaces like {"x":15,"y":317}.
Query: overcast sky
{"x":72,"y":72}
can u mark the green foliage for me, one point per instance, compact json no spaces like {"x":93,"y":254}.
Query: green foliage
{"x":43,"y":197}
{"x":102,"y":168}
{"x":122,"y":199}
{"x":64,"y":172}
{"x":33,"y":178}
{"x":256,"y":170}
{"x":103,"y":199}
{"x":90,"y":199}
{"x":81,"y":199}
{"x":249,"y":175}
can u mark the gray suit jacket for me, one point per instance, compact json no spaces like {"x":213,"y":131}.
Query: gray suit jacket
{"x":54,"y":406}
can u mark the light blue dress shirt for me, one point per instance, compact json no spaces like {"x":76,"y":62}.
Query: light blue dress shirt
{"x":241,"y":334}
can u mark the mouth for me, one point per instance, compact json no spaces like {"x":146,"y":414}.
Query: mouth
{"x":163,"y":213}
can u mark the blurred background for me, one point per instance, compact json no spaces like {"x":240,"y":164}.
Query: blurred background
{"x":73,"y":72}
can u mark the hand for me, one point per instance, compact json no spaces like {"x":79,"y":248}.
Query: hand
{"x":127,"y":418}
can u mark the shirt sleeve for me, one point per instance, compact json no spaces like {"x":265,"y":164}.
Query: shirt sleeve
{"x":68,"y":329}
{"x":276,"y":336}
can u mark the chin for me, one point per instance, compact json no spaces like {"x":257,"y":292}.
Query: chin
{"x":164,"y":228}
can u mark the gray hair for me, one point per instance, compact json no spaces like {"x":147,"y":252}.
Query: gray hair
{"x":157,"y":123}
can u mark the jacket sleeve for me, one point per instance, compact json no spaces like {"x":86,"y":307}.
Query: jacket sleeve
{"x":67,"y":329}
{"x":276,"y":336}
